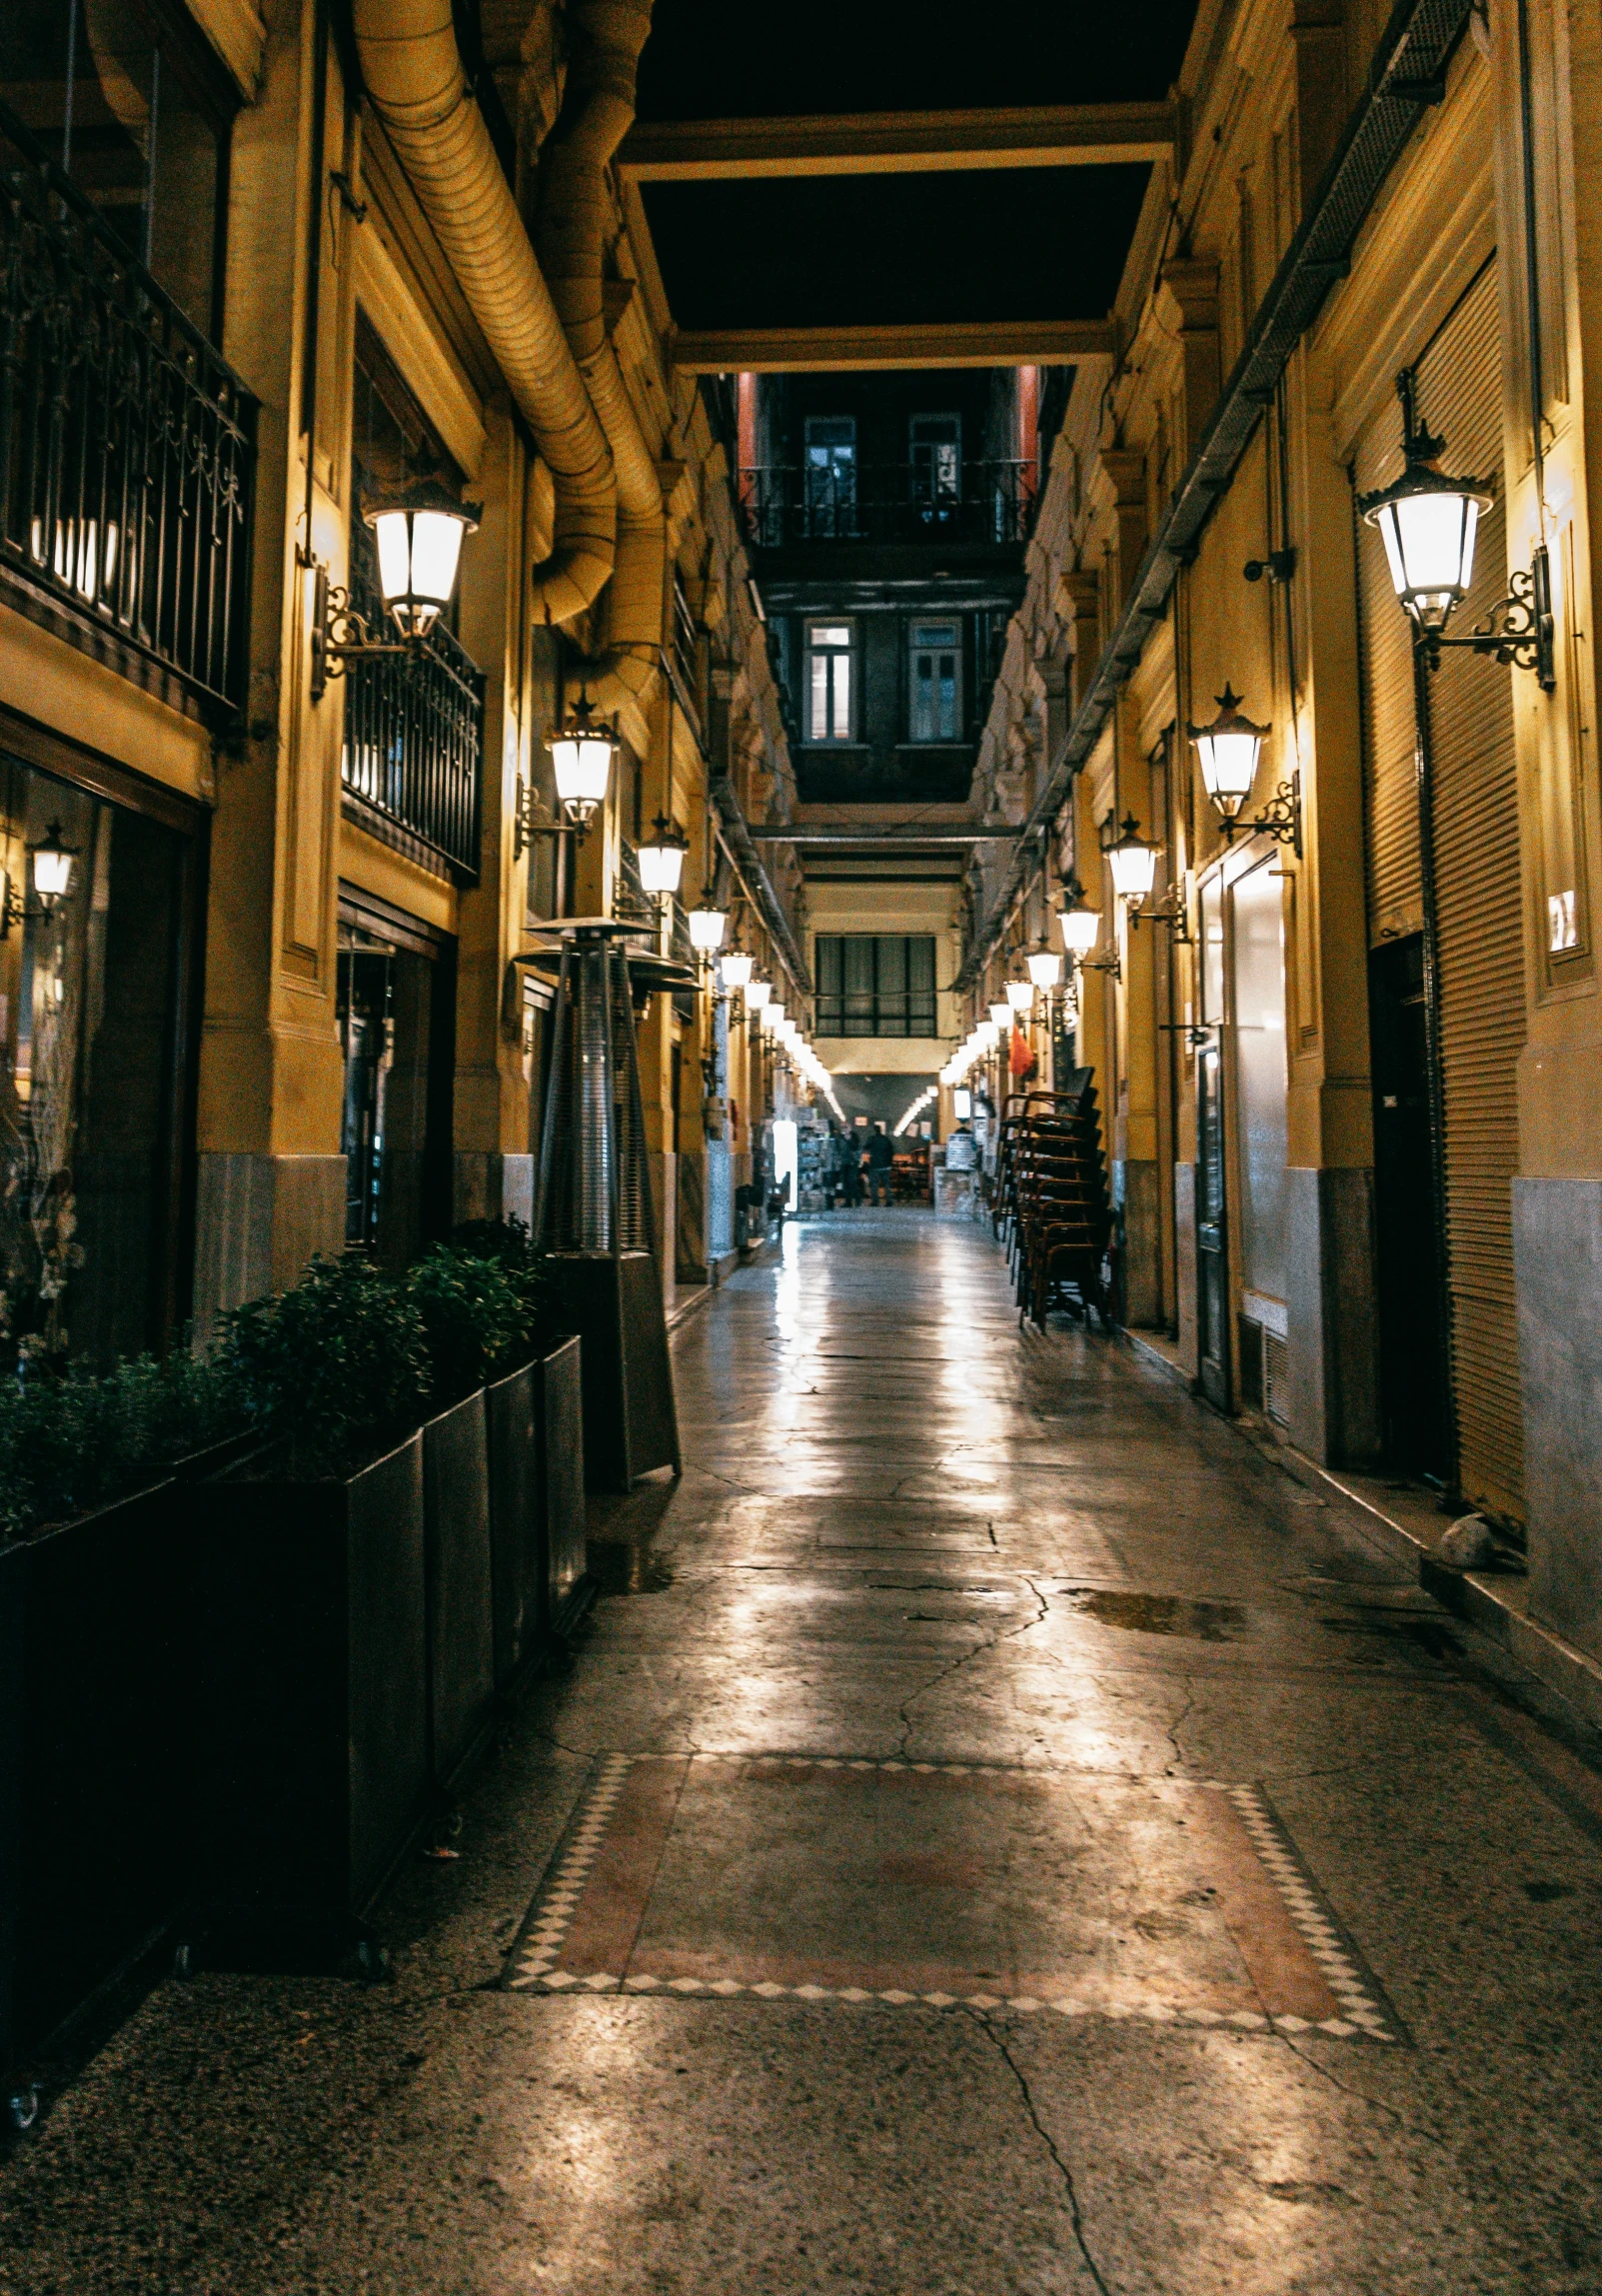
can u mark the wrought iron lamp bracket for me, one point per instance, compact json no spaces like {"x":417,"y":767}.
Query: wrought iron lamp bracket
{"x":1110,"y":963}
{"x":533,"y":820}
{"x":1517,"y":632}
{"x":340,"y":635}
{"x":1169,"y":910}
{"x":1281,"y":820}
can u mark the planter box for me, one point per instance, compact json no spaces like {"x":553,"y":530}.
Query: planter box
{"x":559,"y":1429}
{"x":537,"y":1505}
{"x":96,"y":1733}
{"x":313,"y":1731}
{"x":461,"y":1632}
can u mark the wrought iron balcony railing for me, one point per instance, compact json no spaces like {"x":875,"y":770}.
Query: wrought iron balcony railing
{"x":126,"y":443}
{"x":786,"y":504}
{"x":414,"y":746}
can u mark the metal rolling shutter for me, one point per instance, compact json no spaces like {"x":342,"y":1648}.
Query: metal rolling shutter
{"x":1390,"y":771}
{"x":1480,"y":930}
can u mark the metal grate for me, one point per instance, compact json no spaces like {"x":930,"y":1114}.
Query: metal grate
{"x":594,"y":1184}
{"x":875,"y":985}
{"x":126,"y":443}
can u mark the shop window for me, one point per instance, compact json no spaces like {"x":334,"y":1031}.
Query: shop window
{"x":395,"y":1005}
{"x":138,"y":116}
{"x":874,"y":984}
{"x":934,"y":682}
{"x":830,"y":682}
{"x":91,"y":998}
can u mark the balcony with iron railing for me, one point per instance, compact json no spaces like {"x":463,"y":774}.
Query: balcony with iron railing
{"x":127,"y":450}
{"x":988,"y":504}
{"x":412,"y":767}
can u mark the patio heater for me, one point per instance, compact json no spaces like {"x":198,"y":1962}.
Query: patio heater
{"x":593,"y":1211}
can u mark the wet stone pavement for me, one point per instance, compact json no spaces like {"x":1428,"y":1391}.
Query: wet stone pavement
{"x":998,"y":1834}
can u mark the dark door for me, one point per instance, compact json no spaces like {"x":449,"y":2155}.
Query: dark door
{"x":1413,"y":1342}
{"x":1212,"y":1258}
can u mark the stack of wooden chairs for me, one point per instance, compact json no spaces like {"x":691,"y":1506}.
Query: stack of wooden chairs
{"x":1050,"y":1204}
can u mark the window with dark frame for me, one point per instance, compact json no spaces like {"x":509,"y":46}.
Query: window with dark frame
{"x":830,"y":682}
{"x":137,"y":115}
{"x":934,"y":682}
{"x":874,"y":984}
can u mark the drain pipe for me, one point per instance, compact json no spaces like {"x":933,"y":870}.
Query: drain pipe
{"x":413,"y":74}
{"x":606,"y":38}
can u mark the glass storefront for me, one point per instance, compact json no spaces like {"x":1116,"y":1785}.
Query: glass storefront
{"x":92,"y":1092}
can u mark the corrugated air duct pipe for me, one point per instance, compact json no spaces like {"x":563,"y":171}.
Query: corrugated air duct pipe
{"x":604,"y":40}
{"x":413,"y":73}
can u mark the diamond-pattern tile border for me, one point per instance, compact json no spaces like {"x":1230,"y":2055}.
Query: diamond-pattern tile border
{"x":535,"y":1962}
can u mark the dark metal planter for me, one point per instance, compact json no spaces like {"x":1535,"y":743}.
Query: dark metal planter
{"x":559,"y":1428}
{"x":313,"y":1742}
{"x":537,"y":1505}
{"x":95,"y":1736}
{"x":461,"y":1632}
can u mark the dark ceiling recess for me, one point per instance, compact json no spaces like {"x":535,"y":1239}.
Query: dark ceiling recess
{"x":889,"y":250}
{"x":724,"y":59}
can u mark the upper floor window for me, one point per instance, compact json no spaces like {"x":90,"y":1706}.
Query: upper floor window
{"x":829,"y":681}
{"x":137,"y":115}
{"x":935,"y":682}
{"x":934,"y":449}
{"x":830,"y":476}
{"x":874,"y":984}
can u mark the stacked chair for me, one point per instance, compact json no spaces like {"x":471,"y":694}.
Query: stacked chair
{"x":1050,"y":1204}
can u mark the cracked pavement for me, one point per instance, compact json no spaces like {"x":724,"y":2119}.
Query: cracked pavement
{"x":909,"y":1533}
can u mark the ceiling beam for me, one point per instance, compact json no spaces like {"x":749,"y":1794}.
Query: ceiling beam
{"x":850,"y":350}
{"x":892,"y":143}
{"x":887,"y":841}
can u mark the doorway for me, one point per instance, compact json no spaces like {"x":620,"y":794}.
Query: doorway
{"x":1257,"y":977}
{"x":1412,"y":1338}
{"x":397,"y":999}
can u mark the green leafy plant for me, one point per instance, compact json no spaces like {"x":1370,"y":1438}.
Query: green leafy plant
{"x":76,"y":1439}
{"x":509,"y":1243}
{"x":476,"y":1313}
{"x":337,"y":1365}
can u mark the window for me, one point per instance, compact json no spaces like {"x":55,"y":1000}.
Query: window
{"x":137,"y":116}
{"x":935,"y":682}
{"x":828,"y":680}
{"x":875,"y":984}
{"x":934,"y":449}
{"x":830,"y":476}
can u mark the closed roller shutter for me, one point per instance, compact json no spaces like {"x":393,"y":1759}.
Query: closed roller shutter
{"x":1480,"y":929}
{"x":1391,"y":766}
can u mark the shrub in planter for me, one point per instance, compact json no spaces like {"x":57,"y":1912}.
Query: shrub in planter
{"x":336,"y":1366}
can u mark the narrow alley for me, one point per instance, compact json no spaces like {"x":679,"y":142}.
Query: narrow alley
{"x":999,"y":1833}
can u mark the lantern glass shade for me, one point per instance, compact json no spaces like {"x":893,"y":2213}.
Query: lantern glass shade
{"x":706,"y":930}
{"x":52,"y":864}
{"x":758,"y":994}
{"x":1428,"y":524}
{"x":1045,"y":968}
{"x":989,"y":1030}
{"x":418,"y":533}
{"x":961,"y":1104}
{"x":735,"y":966}
{"x":1001,"y":1014}
{"x":1227,"y":752}
{"x":580,"y":758}
{"x":662,"y":858}
{"x":1134,"y":863}
{"x":1081,"y":930}
{"x":1021,"y":994}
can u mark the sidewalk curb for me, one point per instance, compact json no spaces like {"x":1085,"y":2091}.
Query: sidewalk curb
{"x":1480,"y":1601}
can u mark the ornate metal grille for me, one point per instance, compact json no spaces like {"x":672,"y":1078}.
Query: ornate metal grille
{"x":888,"y":503}
{"x":414,"y":742}
{"x":126,"y":443}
